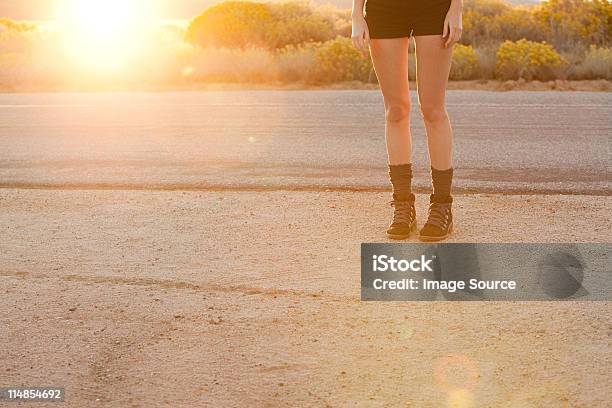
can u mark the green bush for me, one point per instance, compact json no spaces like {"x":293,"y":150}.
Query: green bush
{"x":527,"y":59}
{"x":465,"y":62}
{"x":338,"y":60}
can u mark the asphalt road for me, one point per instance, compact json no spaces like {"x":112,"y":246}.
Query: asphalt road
{"x":516,"y":142}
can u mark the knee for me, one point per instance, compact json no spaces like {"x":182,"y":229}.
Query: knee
{"x":398,"y":111}
{"x":433,"y":113}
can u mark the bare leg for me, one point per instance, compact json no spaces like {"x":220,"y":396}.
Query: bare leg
{"x":390,"y":59}
{"x":433,"y":67}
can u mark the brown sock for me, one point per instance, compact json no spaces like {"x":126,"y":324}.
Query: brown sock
{"x":441,"y":181}
{"x":401,"y":180}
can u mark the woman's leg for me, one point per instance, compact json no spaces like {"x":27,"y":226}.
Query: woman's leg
{"x":433,"y":67}
{"x":390,"y":60}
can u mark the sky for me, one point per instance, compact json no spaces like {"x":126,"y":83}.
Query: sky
{"x":169,"y":9}
{"x":45,"y":9}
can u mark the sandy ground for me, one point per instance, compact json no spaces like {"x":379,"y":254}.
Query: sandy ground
{"x":133,"y":298}
{"x":201,"y":249}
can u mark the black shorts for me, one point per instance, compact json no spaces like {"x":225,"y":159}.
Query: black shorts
{"x":403,"y":18}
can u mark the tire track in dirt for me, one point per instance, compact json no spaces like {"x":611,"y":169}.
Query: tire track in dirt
{"x":181,"y":285}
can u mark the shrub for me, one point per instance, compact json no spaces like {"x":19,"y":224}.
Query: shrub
{"x":296,"y":23}
{"x":479,"y":20}
{"x":597,"y":64}
{"x":487,"y":7}
{"x":486,"y":62}
{"x":566,"y":24}
{"x":239,"y":24}
{"x":234,"y":24}
{"x":572,"y":22}
{"x":19,"y":26}
{"x":248,"y":65}
{"x":338,"y":60}
{"x":517,"y":23}
{"x":339,"y":18}
{"x":296,"y":63}
{"x":526,"y":59}
{"x":465,"y":62}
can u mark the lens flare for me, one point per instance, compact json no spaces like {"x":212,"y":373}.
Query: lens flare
{"x":103,"y":34}
{"x":460,"y":398}
{"x":456,"y":372}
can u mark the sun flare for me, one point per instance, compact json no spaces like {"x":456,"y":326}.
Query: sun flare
{"x":103,"y":34}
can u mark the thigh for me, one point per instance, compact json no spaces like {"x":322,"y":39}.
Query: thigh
{"x":433,"y":63}
{"x":390,"y":60}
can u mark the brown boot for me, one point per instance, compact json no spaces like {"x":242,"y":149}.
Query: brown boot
{"x":404,"y":219}
{"x":439,"y":223}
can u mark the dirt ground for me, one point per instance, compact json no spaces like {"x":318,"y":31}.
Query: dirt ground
{"x":228,"y":298}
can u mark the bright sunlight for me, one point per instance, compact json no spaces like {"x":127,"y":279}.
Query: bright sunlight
{"x":103,"y":34}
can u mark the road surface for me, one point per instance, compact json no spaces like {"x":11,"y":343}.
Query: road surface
{"x":309,"y":140}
